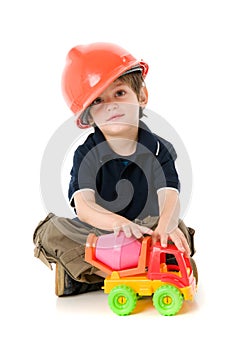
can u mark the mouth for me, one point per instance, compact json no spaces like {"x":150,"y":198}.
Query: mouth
{"x":114,"y":117}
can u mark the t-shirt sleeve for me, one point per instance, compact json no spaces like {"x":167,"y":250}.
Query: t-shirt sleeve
{"x":165,"y":170}
{"x":83,"y":175}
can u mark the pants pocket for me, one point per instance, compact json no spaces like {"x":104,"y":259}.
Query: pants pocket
{"x":75,"y":265}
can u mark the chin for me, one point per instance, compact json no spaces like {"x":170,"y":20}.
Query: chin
{"x":118,"y":128}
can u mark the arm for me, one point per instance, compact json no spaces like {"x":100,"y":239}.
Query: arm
{"x":169,"y":210}
{"x":90,"y":212}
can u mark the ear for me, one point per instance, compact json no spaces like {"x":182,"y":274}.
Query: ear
{"x":90,"y":119}
{"x":143,"y":98}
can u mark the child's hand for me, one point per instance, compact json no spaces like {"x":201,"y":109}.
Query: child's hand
{"x":132,"y":229}
{"x":177,"y":237}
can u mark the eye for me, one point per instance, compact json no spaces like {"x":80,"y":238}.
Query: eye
{"x":120,"y":93}
{"x":97,"y":101}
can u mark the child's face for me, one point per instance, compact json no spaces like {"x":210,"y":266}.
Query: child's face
{"x":117,"y":107}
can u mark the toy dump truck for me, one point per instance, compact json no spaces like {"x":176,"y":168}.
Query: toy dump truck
{"x":137,"y":268}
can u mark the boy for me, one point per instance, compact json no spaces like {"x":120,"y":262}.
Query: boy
{"x":122,"y":174}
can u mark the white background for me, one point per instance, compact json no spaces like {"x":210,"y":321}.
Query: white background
{"x":188,"y":45}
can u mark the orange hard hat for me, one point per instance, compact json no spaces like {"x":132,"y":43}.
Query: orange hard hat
{"x":90,"y":69}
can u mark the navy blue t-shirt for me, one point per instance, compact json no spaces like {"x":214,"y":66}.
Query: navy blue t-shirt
{"x":126,"y":185}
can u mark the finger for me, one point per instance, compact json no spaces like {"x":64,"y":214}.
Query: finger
{"x":155,"y":237}
{"x":146,"y":230}
{"x":163,"y":240}
{"x":183,"y":241}
{"x":117,"y":231}
{"x":127,"y":231}
{"x":177,"y":241}
{"x":186,"y":246}
{"x":136,"y":232}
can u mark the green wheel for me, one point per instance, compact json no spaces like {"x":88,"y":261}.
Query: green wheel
{"x":167,"y":300}
{"x":122,"y":300}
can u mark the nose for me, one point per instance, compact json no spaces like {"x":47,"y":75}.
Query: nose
{"x":110,"y":106}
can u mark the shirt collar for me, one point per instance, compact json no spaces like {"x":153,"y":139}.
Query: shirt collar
{"x":147,"y":141}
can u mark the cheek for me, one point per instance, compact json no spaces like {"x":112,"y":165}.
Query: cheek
{"x":97,"y":114}
{"x":132,"y":110}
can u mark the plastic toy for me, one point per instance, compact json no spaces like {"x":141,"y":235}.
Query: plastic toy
{"x":137,"y":268}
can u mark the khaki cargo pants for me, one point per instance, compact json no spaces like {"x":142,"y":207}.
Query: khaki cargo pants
{"x":62,"y":240}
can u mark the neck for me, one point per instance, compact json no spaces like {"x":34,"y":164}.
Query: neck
{"x":124,"y":144}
